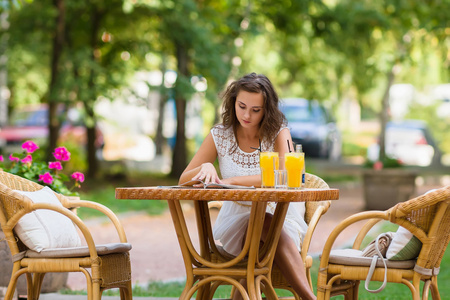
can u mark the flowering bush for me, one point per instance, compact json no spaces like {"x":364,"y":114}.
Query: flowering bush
{"x":387,"y":162}
{"x":48,"y":174}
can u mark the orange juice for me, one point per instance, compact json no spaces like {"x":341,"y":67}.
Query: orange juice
{"x":268,"y":162}
{"x":293,"y":163}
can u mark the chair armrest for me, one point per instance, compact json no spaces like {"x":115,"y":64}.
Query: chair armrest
{"x":363,"y":232}
{"x":106,"y":211}
{"x":318,"y":213}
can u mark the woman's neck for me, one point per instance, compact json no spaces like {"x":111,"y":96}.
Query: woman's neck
{"x":248,"y":139}
{"x":248,"y":134}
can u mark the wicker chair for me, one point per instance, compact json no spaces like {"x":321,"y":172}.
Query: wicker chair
{"x":313,"y":212}
{"x":426,"y":216}
{"x":109,"y":264}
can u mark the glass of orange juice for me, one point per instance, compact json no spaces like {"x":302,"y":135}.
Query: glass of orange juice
{"x":268,"y":162}
{"x":293,"y":163}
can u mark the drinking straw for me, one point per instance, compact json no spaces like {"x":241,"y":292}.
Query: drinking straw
{"x":289,"y":146}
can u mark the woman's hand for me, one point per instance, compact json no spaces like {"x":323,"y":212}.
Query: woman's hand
{"x":207,"y":174}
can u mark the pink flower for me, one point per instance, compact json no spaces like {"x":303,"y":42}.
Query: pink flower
{"x":30,"y":146}
{"x":78,"y":176}
{"x":27,"y":159}
{"x":1,"y":158}
{"x":13,"y":158}
{"x":61,"y":153}
{"x":55,"y":165}
{"x":46,"y":178}
{"x":378,"y":165}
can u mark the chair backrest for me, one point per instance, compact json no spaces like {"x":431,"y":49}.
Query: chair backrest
{"x":314,"y":182}
{"x":428,"y":218}
{"x":12,"y":202}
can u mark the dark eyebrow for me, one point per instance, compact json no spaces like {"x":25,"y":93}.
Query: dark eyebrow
{"x":246,"y":104}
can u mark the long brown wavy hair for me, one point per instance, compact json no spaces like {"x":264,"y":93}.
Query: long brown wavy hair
{"x":273,"y":118}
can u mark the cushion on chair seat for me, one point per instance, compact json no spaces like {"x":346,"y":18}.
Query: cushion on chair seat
{"x":77,"y":251}
{"x":354,"y":257}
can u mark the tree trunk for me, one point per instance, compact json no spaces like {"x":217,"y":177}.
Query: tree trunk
{"x":58,"y":41}
{"x":179,"y":154}
{"x":91,"y":131}
{"x":159,"y":139}
{"x":384,"y":114}
{"x":4,"y":99}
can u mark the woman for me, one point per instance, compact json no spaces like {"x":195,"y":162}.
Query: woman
{"x":252,"y":121}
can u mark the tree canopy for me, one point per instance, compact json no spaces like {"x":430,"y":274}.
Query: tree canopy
{"x":326,"y":50}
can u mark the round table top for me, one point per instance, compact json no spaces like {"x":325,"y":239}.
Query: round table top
{"x":258,"y":194}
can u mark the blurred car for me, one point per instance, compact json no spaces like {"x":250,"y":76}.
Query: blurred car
{"x":410,"y":142}
{"x":30,"y":123}
{"x":313,"y":126}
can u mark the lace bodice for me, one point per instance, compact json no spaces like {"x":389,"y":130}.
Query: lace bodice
{"x":232,"y":160}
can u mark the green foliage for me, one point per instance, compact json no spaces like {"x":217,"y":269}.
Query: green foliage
{"x":438,"y":124}
{"x":327,"y":50}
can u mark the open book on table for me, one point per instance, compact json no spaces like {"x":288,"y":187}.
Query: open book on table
{"x":210,"y":185}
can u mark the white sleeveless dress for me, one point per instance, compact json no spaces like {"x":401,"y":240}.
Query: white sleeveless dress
{"x":231,"y":223}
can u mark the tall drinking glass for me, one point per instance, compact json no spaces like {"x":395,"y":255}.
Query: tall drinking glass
{"x":293,"y":163}
{"x":268,"y":162}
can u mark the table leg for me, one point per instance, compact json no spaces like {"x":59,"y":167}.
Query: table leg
{"x":258,"y":258}
{"x":204,"y":234}
{"x":180,"y":223}
{"x":266,"y":254}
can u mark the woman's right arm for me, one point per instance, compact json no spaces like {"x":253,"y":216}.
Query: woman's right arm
{"x":201,"y":166}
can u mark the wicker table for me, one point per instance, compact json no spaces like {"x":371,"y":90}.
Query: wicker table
{"x":211,"y":266}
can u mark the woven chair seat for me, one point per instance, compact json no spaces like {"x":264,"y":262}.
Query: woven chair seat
{"x":353,"y":257}
{"x":83,"y":251}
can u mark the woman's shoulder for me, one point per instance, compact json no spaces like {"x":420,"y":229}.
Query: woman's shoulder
{"x":221,"y":130}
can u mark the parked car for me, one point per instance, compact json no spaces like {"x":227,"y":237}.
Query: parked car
{"x":313,"y":126}
{"x":30,"y":122}
{"x":410,"y":142}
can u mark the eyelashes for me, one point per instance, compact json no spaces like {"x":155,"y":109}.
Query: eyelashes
{"x":254,"y":110}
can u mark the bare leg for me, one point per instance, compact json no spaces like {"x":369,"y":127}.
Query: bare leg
{"x":288,"y":260}
{"x":237,"y":295}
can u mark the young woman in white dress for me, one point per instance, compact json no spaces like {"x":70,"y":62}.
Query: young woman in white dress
{"x":251,"y":119}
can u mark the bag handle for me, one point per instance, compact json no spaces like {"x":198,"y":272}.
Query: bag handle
{"x":373,"y":265}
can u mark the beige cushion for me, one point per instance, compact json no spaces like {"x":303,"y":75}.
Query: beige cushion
{"x":353,"y":257}
{"x":43,"y":228}
{"x":79,"y":251}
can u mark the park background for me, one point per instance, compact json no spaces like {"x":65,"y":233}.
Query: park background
{"x":148,"y":74}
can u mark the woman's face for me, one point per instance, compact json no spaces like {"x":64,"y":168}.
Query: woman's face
{"x":249,"y":109}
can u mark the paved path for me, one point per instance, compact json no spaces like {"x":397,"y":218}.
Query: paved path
{"x":156,"y":256}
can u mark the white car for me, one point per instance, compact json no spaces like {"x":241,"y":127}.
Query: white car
{"x":408,"y":141}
